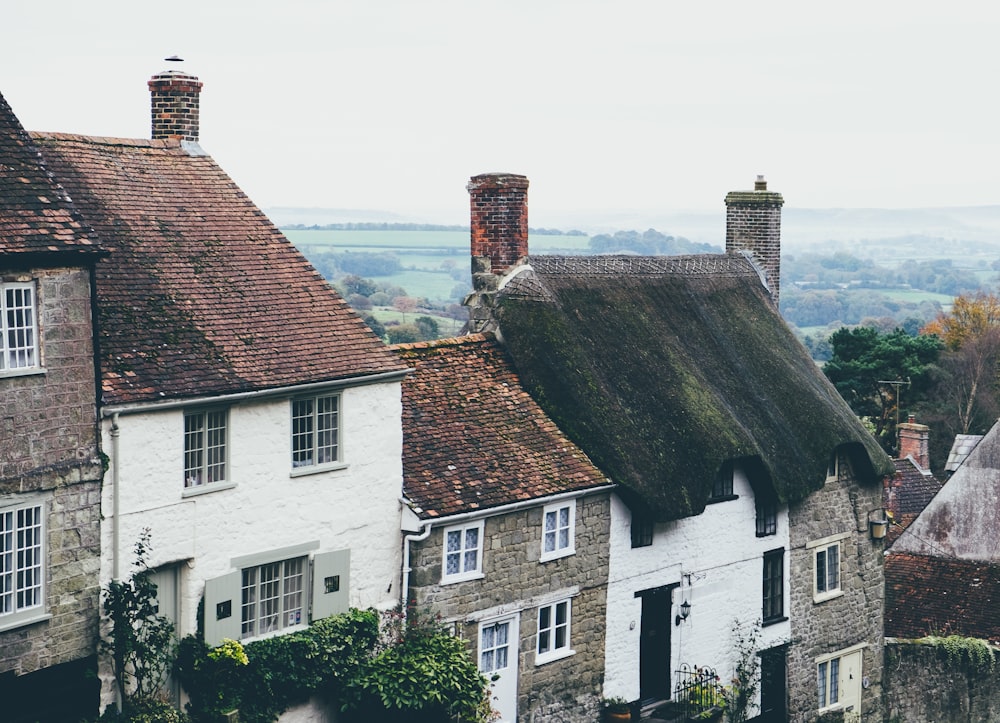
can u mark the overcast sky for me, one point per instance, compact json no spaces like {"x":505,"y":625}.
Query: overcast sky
{"x":604,"y":104}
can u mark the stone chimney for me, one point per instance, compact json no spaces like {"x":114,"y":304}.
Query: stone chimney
{"x":753,"y":224}
{"x":499,"y":238}
{"x":175,"y":100}
{"x":914,"y":441}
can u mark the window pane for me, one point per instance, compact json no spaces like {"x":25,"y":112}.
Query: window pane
{"x":833,"y":567}
{"x":821,"y":571}
{"x":194,"y":445}
{"x":326,"y":427}
{"x":821,"y":683}
{"x":215,"y":445}
{"x":302,"y":432}
{"x":18,"y":339}
{"x":293,"y":592}
{"x":6,"y":562}
{"x":834,"y":680}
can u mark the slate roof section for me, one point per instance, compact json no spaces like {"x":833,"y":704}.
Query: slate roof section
{"x":961,"y":521}
{"x":201,"y":295}
{"x":473,"y":439}
{"x":911,"y":490}
{"x":664,"y":368}
{"x":931,"y":595}
{"x":36,"y":215}
{"x":960,"y":449}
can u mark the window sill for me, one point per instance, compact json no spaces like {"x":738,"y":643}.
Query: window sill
{"x":542,"y":659}
{"x":207,"y":488}
{"x":723,"y":498}
{"x":451,"y":579}
{"x":556,"y":555}
{"x":26,"y":372}
{"x":274,"y":633}
{"x":21,"y":622}
{"x":823,"y":597}
{"x":316,"y":469}
{"x":774,"y":621}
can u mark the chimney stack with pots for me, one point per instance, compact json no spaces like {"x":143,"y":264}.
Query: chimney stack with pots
{"x":914,"y":441}
{"x":499,"y":238}
{"x":753,"y":224}
{"x":175,"y":101}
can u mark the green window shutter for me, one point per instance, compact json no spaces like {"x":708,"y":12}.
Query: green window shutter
{"x":331,"y":583}
{"x":223,"y":613}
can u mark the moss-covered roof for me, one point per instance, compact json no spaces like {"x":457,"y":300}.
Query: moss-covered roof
{"x":662,"y":369}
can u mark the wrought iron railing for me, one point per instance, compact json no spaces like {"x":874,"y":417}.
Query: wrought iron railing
{"x":697,"y":689}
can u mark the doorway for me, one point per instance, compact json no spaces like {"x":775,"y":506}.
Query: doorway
{"x":498,"y":643}
{"x":168,"y":605}
{"x":773,"y":696}
{"x":654,"y":642}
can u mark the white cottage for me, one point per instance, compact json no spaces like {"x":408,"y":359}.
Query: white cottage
{"x":251,"y":420}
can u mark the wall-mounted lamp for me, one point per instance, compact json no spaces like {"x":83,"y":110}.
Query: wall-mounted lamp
{"x":685,"y":611}
{"x":878,"y":523}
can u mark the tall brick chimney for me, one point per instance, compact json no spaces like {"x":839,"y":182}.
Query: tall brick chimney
{"x":914,"y":441}
{"x":753,"y":224}
{"x":175,"y":101}
{"x":499,"y":239}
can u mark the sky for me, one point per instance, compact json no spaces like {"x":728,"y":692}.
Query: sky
{"x":641,"y":106}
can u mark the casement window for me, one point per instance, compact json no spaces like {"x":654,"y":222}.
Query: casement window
{"x":773,"y":607}
{"x":641,"y":530}
{"x":826,"y":566}
{"x":22,"y":563}
{"x":316,"y":431}
{"x":463,"y":553}
{"x":828,"y":682}
{"x":839,"y":679}
{"x":558,"y":522}
{"x":205,"y":447}
{"x":767,"y":517}
{"x":272,"y":592}
{"x":722,"y":486}
{"x":18,"y":327}
{"x":553,"y":632}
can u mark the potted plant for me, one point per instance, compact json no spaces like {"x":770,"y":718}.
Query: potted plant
{"x":616,"y":709}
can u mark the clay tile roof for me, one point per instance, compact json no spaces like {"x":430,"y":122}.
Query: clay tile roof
{"x":473,"y":438}
{"x":36,"y":215}
{"x":201,"y":294}
{"x":910,"y":492}
{"x":939,"y":596}
{"x":663,"y":369}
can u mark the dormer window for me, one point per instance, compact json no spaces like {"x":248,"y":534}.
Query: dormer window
{"x":722,"y":487}
{"x":767,"y":517}
{"x":833,"y":466}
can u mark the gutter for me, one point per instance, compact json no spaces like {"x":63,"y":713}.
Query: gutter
{"x":116,"y":409}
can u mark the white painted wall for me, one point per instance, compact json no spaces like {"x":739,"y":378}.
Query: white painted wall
{"x":356,"y":507}
{"x":720,"y":551}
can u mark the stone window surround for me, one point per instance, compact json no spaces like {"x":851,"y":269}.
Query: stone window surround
{"x":823,"y":545}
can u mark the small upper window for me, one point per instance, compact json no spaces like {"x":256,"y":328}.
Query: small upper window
{"x":767,"y":517}
{"x":773,"y":608}
{"x":826,"y":566}
{"x":204,"y":447}
{"x":833,"y":466}
{"x":463,"y":552}
{"x":316,"y":431}
{"x":553,"y":632}
{"x":557,"y":530}
{"x":18,"y":327}
{"x":642,"y":529}
{"x":722,"y":487}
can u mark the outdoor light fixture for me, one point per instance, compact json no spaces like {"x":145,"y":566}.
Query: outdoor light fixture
{"x":685,"y":611}
{"x":878,"y":523}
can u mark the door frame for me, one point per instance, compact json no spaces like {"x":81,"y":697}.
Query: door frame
{"x":509,"y":707}
{"x":658,"y":602}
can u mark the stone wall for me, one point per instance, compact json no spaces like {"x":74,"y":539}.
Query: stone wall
{"x":514,"y":581}
{"x":923,"y":687}
{"x":49,"y":455}
{"x":854,"y":618}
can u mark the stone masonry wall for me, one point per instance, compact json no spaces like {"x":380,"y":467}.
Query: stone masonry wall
{"x":513,"y":579}
{"x":49,"y":453}
{"x":853,"y":618}
{"x":923,"y":687}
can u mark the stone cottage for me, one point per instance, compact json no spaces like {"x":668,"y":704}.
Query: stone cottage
{"x":50,"y":470}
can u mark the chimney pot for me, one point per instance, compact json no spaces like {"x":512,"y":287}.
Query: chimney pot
{"x":760,"y":184}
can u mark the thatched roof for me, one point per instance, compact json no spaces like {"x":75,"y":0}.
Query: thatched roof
{"x":662,"y":369}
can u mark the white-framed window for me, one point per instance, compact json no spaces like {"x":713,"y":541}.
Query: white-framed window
{"x":205,"y":447}
{"x":273,"y":597}
{"x":553,"y":640}
{"x":316,"y":431}
{"x":18,"y":327}
{"x":558,"y":523}
{"x":463,"y":552}
{"x":22,"y":563}
{"x":839,"y":677}
{"x":826,"y":566}
{"x":828,"y":682}
{"x":271,"y":592}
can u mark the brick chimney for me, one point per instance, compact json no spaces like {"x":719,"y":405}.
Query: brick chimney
{"x":175,"y":100}
{"x":753,"y":224}
{"x":499,"y":238}
{"x":914,"y":441}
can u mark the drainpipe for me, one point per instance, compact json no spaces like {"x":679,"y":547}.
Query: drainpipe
{"x":114,"y":492}
{"x":418,"y":537}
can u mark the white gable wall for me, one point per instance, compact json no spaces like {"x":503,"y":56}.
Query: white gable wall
{"x":264,"y":508}
{"x":718,"y":561}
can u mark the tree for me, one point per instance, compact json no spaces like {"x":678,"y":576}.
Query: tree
{"x":404,"y":305}
{"x":864,"y":365}
{"x":971,"y":315}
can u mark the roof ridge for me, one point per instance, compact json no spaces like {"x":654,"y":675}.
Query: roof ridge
{"x":106,"y":140}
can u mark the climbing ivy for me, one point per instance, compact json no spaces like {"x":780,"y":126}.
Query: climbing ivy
{"x":959,"y":650}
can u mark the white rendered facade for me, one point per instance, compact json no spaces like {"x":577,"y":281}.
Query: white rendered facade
{"x":265,"y":510}
{"x":715,"y":562}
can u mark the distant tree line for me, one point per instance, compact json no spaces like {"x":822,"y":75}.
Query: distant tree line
{"x":375,"y":226}
{"x":648,"y":243}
